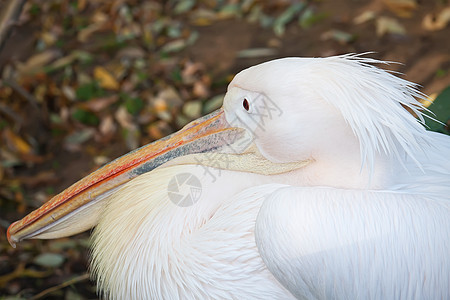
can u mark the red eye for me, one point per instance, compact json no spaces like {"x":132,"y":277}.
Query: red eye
{"x":246,"y":105}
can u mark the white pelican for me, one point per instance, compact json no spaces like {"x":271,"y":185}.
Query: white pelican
{"x":312,"y":182}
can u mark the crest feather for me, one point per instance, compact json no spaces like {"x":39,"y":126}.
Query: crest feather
{"x":373,"y":101}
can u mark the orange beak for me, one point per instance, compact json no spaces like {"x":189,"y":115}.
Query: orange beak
{"x":56,"y":217}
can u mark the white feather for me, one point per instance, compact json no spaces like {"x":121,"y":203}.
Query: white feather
{"x":335,"y":230}
{"x":325,"y":243}
{"x":147,"y":247}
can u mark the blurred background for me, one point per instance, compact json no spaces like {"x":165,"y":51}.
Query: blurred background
{"x":82,"y":82}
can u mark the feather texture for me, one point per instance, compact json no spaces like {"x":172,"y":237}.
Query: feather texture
{"x":321,"y":230}
{"x":325,"y":243}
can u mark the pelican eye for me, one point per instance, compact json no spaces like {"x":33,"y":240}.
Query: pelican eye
{"x":246,"y":105}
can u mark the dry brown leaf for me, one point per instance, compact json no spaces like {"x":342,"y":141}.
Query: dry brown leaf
{"x":81,"y":5}
{"x":364,"y":17}
{"x":402,"y":8}
{"x":389,"y":25}
{"x":124,"y":118}
{"x":131,"y":53}
{"x":171,"y":97}
{"x":106,"y":80}
{"x":200,"y":90}
{"x":437,"y":22}
{"x":101,"y":160}
{"x":158,"y":129}
{"x":192,"y":109}
{"x":107,"y":126}
{"x":49,"y":38}
{"x":69,"y":92}
{"x":41,"y":179}
{"x":85,"y":33}
{"x":38,"y":61}
{"x":161,"y":109}
{"x":159,"y":104}
{"x":100,"y":17}
{"x":16,"y":143}
{"x":99,"y":104}
{"x":63,"y":61}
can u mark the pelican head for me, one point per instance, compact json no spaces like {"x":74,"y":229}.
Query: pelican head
{"x":337,"y":122}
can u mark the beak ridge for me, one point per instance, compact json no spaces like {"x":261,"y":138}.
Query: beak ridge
{"x":204,"y":134}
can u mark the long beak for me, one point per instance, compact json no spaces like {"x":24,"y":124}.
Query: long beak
{"x":56,"y":217}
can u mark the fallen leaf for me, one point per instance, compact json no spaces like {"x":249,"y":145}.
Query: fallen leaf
{"x":124,"y":118}
{"x":159,"y":129}
{"x":38,"y":61}
{"x":101,"y":160}
{"x":106,"y":80}
{"x":200,"y":90}
{"x":85,"y":33}
{"x":389,"y":25}
{"x":213,"y":104}
{"x":279,"y":25}
{"x":100,"y":104}
{"x":193,"y":109}
{"x":69,"y":92}
{"x":364,"y":17}
{"x":131,"y":53}
{"x":84,"y":116}
{"x":16,"y":143}
{"x":183,"y":6}
{"x":50,"y":260}
{"x":133,"y":104}
{"x":132,"y":135}
{"x":107,"y":126}
{"x":429,"y":100}
{"x":202,"y":17}
{"x":441,"y":109}
{"x":171,"y":97}
{"x":437,"y":22}
{"x":69,"y":59}
{"x":79,"y":137}
{"x":340,"y":36}
{"x":256,"y":52}
{"x":41,"y":179}
{"x":402,"y":8}
{"x":174,"y":46}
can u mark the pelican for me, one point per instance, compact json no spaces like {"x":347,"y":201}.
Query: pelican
{"x":311,"y":182}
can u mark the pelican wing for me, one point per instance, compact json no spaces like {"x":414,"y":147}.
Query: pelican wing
{"x":327,"y":243}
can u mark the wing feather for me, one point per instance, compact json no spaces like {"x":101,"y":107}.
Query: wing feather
{"x":323,"y":243}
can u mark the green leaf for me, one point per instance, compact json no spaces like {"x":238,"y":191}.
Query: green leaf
{"x":280,"y":23}
{"x":213,"y":103}
{"x":184,"y":6}
{"x":174,"y":46}
{"x":308,"y":18}
{"x":79,"y":137}
{"x":51,"y":260}
{"x":441,"y":108}
{"x":35,"y":9}
{"x":85,"y":117}
{"x":88,"y":91}
{"x":133,"y":105}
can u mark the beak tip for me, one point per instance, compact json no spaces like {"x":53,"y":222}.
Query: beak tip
{"x":11,"y":239}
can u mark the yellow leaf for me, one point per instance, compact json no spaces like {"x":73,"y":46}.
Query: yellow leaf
{"x":430,"y":99}
{"x":17,"y":143}
{"x":402,"y":8}
{"x":106,"y":80}
{"x":389,"y":25}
